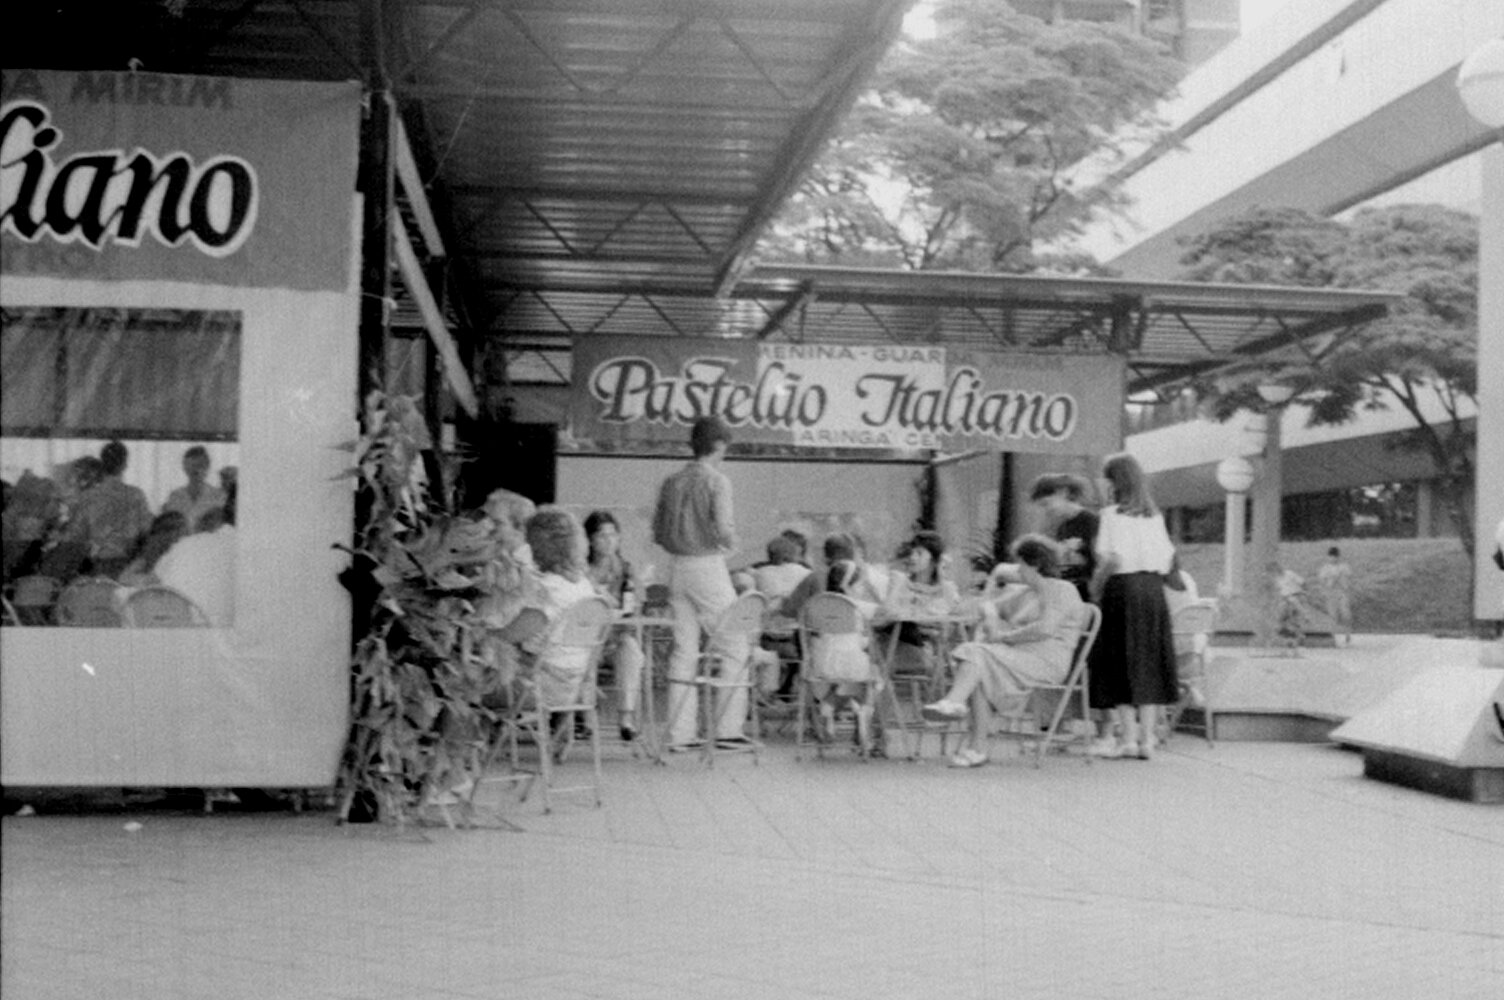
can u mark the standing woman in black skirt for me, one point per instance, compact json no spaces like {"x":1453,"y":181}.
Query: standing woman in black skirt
{"x":1133,"y":662}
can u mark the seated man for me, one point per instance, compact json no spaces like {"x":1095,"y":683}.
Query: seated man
{"x":1013,"y":658}
{"x":777,"y":578}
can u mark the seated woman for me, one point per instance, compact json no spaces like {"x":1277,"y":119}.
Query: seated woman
{"x":613,"y":579}
{"x":166,"y":528}
{"x":558,"y":550}
{"x":841,"y":665}
{"x":920,"y":591}
{"x":508,"y":581}
{"x":1013,"y":658}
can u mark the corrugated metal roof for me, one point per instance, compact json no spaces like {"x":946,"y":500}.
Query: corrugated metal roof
{"x":604,"y":167}
{"x":579,"y":143}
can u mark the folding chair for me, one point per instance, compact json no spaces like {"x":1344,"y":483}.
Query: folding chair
{"x":1043,"y":708}
{"x":162,"y":607}
{"x":824,"y":616}
{"x":742,"y":623}
{"x":90,"y":602}
{"x":504,"y":702}
{"x":1192,"y":626}
{"x":921,"y":683}
{"x":34,"y":599}
{"x":582,"y":630}
{"x":782,"y":653}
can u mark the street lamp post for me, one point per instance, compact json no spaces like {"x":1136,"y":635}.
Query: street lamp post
{"x":1235,"y":475}
{"x":1268,"y":491}
{"x":1480,"y":84}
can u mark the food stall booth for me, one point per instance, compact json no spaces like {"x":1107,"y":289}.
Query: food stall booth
{"x":179,"y":270}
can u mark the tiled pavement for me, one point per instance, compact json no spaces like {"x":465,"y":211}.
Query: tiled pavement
{"x":1247,"y":870}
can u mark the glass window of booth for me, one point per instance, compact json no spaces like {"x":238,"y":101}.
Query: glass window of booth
{"x":119,"y":452}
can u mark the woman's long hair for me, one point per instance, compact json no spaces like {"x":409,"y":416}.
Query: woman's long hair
{"x":1130,"y":489}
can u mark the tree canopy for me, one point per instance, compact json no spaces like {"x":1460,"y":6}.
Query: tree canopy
{"x":960,"y":154}
{"x":1421,"y":357}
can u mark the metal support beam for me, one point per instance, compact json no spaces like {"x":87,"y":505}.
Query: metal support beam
{"x":433,"y":319}
{"x":376,"y":185}
{"x":796,"y":302}
{"x":417,"y":196}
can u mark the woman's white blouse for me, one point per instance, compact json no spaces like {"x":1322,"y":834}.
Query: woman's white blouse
{"x":1138,"y":544}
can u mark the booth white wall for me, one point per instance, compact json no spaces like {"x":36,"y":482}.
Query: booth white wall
{"x":263,"y":701}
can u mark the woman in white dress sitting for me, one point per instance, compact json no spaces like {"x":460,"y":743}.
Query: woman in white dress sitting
{"x":558,"y":544}
{"x":1011,"y":658}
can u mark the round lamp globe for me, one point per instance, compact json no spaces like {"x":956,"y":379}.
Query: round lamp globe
{"x":1235,"y":475}
{"x":1480,"y":83}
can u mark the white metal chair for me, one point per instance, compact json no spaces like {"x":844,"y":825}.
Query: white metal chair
{"x":713,"y":684}
{"x":528,"y":712}
{"x":158,"y":606}
{"x":34,"y":599}
{"x":1193,"y":626}
{"x":504,"y":701}
{"x":1042,"y":711}
{"x":90,"y":602}
{"x":824,"y":616}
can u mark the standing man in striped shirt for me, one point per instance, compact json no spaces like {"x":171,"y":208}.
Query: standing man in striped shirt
{"x":694,"y":522}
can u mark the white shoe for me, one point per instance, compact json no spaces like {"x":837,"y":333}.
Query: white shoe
{"x":944,"y":711}
{"x":968,"y":758}
{"x":1105,"y":748}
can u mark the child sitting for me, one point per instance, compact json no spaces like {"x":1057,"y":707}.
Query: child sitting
{"x":840,"y":666}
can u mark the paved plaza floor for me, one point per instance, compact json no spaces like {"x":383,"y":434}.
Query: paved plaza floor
{"x":1246,"y":870}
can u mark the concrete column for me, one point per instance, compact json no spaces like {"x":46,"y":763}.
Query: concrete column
{"x":1232,"y":543}
{"x":1488,"y":581}
{"x":1267,"y":489}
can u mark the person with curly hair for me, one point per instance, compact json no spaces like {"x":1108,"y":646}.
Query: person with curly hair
{"x":1014,"y":655}
{"x":558,"y":545}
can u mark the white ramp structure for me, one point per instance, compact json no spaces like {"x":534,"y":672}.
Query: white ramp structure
{"x":1442,"y":732}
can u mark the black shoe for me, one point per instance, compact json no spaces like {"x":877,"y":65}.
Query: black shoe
{"x":628,"y":734}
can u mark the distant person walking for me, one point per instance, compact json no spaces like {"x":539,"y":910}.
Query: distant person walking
{"x":1499,"y":545}
{"x":694,"y":523}
{"x":1335,"y":581}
